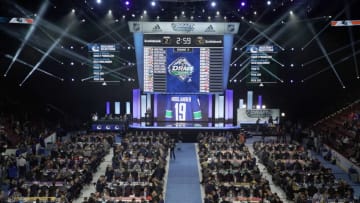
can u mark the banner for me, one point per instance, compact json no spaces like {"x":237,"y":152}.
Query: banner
{"x":250,"y":116}
{"x":17,"y":20}
{"x":211,"y":28}
{"x":343,"y":23}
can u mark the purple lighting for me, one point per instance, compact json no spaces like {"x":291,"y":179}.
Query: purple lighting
{"x":107,"y":108}
{"x":243,"y":3}
{"x":127,"y":3}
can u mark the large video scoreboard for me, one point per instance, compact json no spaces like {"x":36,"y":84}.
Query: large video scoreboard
{"x":181,"y":66}
{"x":183,"y":63}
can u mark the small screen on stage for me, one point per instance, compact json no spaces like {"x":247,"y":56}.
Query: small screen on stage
{"x":183,"y":107}
{"x":183,"y":64}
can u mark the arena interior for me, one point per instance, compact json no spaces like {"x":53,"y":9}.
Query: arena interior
{"x":179,"y":101}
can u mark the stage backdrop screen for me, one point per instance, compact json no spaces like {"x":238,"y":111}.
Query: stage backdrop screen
{"x":183,"y":63}
{"x":181,"y":108}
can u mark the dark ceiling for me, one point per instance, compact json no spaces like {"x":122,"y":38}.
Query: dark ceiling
{"x":313,"y":85}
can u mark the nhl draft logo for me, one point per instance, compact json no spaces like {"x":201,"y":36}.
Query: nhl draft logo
{"x":182,"y":69}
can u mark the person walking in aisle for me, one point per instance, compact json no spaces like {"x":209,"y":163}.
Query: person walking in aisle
{"x":172,"y":149}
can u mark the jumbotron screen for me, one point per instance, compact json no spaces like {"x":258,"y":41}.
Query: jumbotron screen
{"x":183,"y":63}
{"x":174,"y":107}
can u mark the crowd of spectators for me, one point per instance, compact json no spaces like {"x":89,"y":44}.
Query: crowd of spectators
{"x":302,"y":177}
{"x":137,"y":170}
{"x":341,"y":132}
{"x":59,"y":174}
{"x":229,"y":171}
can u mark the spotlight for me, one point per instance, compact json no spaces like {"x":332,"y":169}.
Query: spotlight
{"x":83,"y":20}
{"x":292,"y":65}
{"x":73,"y":10}
{"x":71,"y":63}
{"x":123,"y":16}
{"x":153,"y":3}
{"x":268,"y":3}
{"x":213,"y":4}
{"x":263,"y":107}
{"x":110,"y":11}
{"x":358,"y":77}
{"x":291,"y":12}
{"x":72,"y":79}
{"x":133,"y":15}
{"x":182,"y":12}
{"x":291,"y":81}
{"x":145,"y":12}
{"x":192,"y":17}
{"x":98,"y":1}
{"x":217,"y":13}
{"x":243,"y":4}
{"x":255,"y":12}
{"x":292,"y":49}
{"x":158,"y":17}
{"x":282,"y":114}
{"x":127,"y":3}
{"x":209,"y":17}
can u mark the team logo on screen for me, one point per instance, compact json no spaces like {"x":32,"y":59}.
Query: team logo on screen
{"x":136,"y":27}
{"x":183,"y":27}
{"x":182,"y":69}
{"x":231,"y":27}
{"x":95,"y":48}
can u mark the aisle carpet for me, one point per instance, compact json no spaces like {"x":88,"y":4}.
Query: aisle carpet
{"x":183,"y":184}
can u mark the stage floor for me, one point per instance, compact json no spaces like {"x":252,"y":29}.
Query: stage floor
{"x":184,"y":125}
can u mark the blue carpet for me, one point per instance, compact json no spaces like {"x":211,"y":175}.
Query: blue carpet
{"x":118,"y":139}
{"x":183,"y":185}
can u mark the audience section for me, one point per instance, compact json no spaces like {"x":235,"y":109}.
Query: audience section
{"x":229,"y":171}
{"x":58,"y":174}
{"x":302,"y":177}
{"x":137,"y":170}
